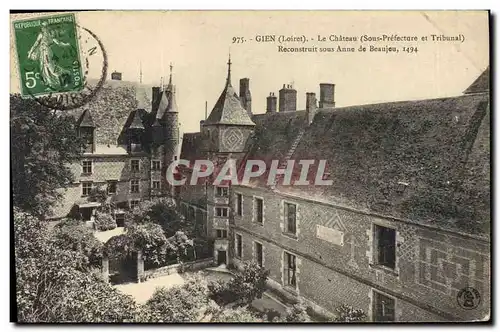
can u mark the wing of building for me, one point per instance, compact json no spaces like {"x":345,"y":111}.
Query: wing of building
{"x":402,"y":229}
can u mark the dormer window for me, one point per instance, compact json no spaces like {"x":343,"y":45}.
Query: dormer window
{"x":87,"y":135}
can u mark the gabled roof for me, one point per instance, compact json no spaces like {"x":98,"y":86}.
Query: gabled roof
{"x":481,"y":84}
{"x":228,"y":109}
{"x":86,"y":120}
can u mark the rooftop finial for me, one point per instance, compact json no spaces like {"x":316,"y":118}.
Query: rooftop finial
{"x":170,"y":79}
{"x":140,"y":72}
{"x":229,"y":69}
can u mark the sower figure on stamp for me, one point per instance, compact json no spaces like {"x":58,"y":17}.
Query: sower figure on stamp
{"x":53,"y":75}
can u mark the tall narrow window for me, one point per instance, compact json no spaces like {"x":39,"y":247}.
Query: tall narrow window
{"x":222,"y":191}
{"x":86,"y":188}
{"x":238,"y":245}
{"x":291,"y":218}
{"x":383,"y":308}
{"x":155,"y":165}
{"x":259,"y":258}
{"x":221,"y":233}
{"x":134,"y":165}
{"x":290,"y":270}
{"x":239,"y":205}
{"x":156,"y":184}
{"x":134,"y":186}
{"x":221,"y":212}
{"x":259,"y":210}
{"x":87,"y":167}
{"x":385,"y":241}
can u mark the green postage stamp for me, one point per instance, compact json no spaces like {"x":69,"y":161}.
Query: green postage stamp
{"x":48,"y":55}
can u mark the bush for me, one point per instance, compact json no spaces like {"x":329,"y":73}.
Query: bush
{"x":346,"y":313}
{"x":298,"y":313}
{"x":74,"y":235}
{"x":104,"y":221}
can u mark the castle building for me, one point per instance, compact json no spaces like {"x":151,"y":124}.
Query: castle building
{"x":402,"y":230}
{"x":132,"y":134}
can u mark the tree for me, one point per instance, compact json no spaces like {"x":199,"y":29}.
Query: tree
{"x":104,"y":221}
{"x":56,"y":284}
{"x":149,"y":238}
{"x":43,"y":144}
{"x":246,"y":286}
{"x":161,"y":211}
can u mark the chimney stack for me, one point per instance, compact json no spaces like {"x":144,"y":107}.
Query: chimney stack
{"x":116,"y":76}
{"x":155,"y":99}
{"x":310,"y":106}
{"x":245,"y":95}
{"x":272,"y":103}
{"x":326,"y":95}
{"x":288,"y":99}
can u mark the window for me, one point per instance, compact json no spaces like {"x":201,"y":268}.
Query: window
{"x":134,"y":203}
{"x":259,"y":210}
{"x":385,"y":244}
{"x":291,"y":218}
{"x":290,"y":270}
{"x":383,"y":308}
{"x":238,"y":245}
{"x":222,"y":233}
{"x":239,"y":205}
{"x":134,"y":165}
{"x":258,"y":253}
{"x":221,"y":212}
{"x":222,"y":191}
{"x":86,"y":188}
{"x":87,"y":134}
{"x":156,"y":184}
{"x":134,"y":186}
{"x":112,"y":187}
{"x":155,"y":165}
{"x":87,"y":167}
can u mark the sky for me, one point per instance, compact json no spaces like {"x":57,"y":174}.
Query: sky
{"x":197,"y":44}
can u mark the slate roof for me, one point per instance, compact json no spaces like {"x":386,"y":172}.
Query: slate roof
{"x":481,"y":84}
{"x":191,"y":149}
{"x":228,"y":109}
{"x":425,"y":160}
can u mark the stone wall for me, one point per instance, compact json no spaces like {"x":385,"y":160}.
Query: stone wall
{"x":431,"y":265}
{"x":175,"y":268}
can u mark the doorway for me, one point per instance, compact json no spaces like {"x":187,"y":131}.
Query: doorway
{"x":221,"y":257}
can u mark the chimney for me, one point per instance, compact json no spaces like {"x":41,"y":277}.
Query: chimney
{"x":326,"y":95}
{"x":245,"y":96}
{"x":310,"y":106}
{"x":116,"y":76}
{"x":288,"y":99}
{"x":155,"y":98}
{"x":272,"y":102}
